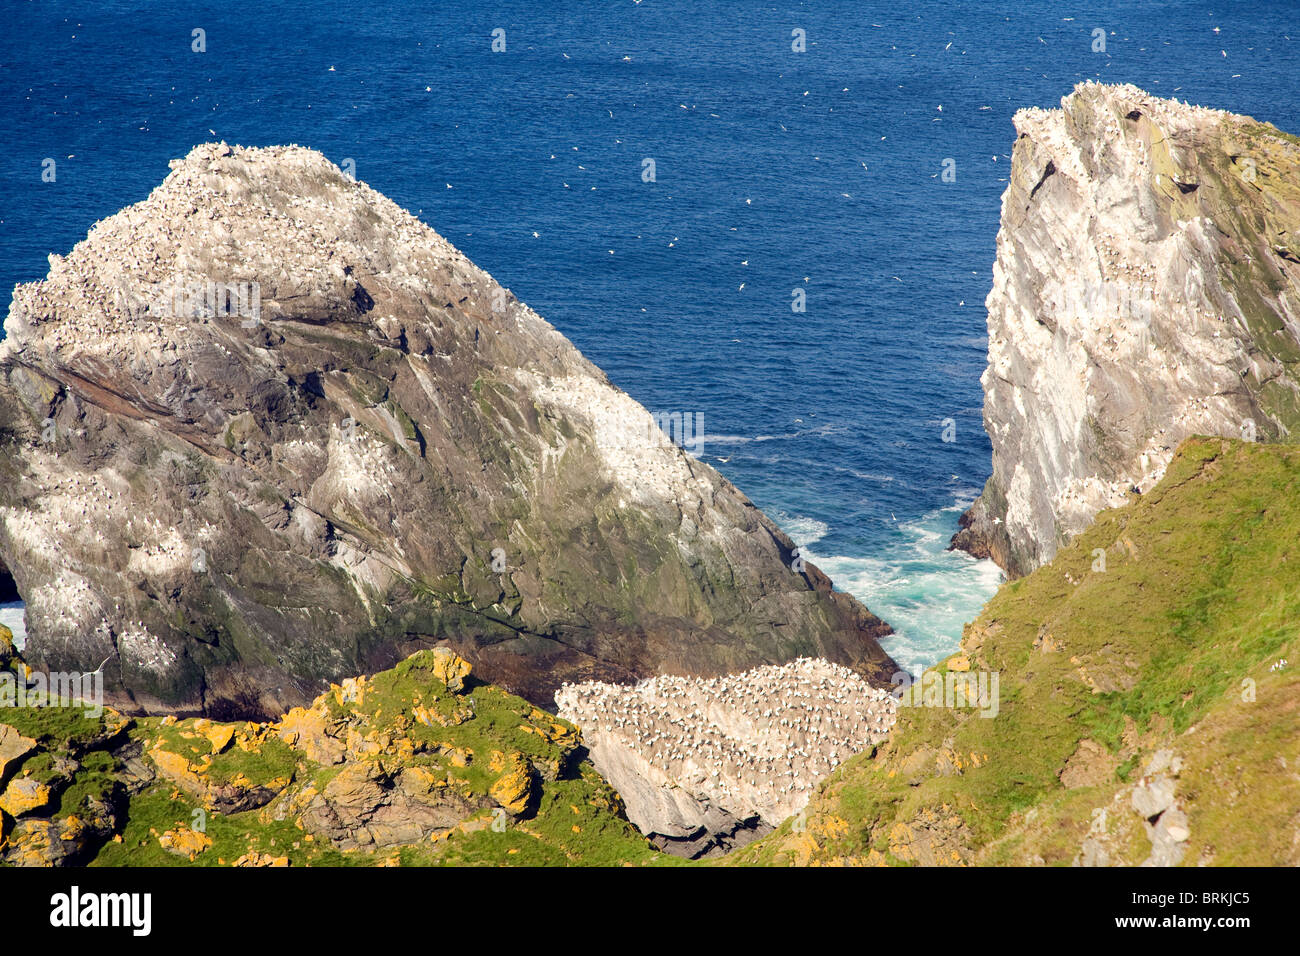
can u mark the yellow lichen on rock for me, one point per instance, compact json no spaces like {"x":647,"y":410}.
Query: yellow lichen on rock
{"x":13,"y":748}
{"x":185,"y":841}
{"x":435,"y":718}
{"x":24,"y":795}
{"x":546,"y":728}
{"x":450,"y":668}
{"x":828,"y":826}
{"x":218,"y":735}
{"x":178,"y":770}
{"x":307,"y":729}
{"x":29,"y":847}
{"x":424,"y":777}
{"x":900,"y":841}
{"x":351,"y":692}
{"x":514,"y":788}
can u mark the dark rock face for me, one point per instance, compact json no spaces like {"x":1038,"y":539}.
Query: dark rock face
{"x":266,"y":429}
{"x":702,"y":843}
{"x":981,"y":534}
{"x":8,"y":589}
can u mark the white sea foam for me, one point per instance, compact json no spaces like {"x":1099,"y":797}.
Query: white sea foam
{"x":726,"y":439}
{"x":803,"y":531}
{"x":827,"y":428}
{"x":923,"y":591}
{"x":14,"y":617}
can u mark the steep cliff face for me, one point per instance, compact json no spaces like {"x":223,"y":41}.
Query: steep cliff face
{"x":1146,"y":288}
{"x":265,"y":430}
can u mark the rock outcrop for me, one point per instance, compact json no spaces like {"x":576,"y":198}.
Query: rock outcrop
{"x":1146,"y":288}
{"x":400,"y":768}
{"x":265,"y":430}
{"x":1150,"y":803}
{"x":707,"y":765}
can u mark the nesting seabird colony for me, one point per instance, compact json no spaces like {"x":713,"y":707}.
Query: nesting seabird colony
{"x":753,"y":744}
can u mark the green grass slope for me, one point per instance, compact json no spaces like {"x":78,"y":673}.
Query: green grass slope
{"x":1143,"y":713}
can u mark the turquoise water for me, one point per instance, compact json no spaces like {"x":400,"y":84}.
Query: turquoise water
{"x":909,"y":580}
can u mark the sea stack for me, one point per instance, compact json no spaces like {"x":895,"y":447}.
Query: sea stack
{"x":265,"y":429}
{"x":1146,"y":288}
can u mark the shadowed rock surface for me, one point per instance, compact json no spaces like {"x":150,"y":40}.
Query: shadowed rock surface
{"x":265,"y":430}
{"x":1145,"y":290}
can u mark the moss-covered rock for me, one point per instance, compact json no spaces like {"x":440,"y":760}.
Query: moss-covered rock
{"x":418,"y":765}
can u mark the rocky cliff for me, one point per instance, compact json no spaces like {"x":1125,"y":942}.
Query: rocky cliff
{"x":265,"y":430}
{"x":1146,"y":288}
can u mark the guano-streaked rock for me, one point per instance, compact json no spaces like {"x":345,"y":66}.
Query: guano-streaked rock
{"x":1146,"y":288}
{"x":367,"y":447}
{"x":705,"y":765}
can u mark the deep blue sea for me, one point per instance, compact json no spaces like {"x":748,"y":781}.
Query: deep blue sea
{"x":775,"y":170}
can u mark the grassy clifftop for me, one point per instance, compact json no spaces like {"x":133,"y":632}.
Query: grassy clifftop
{"x":1142,"y":712}
{"x":419,"y":765}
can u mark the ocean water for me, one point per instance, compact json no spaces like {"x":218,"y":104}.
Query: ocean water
{"x":775,"y":171}
{"x":13,"y":617}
